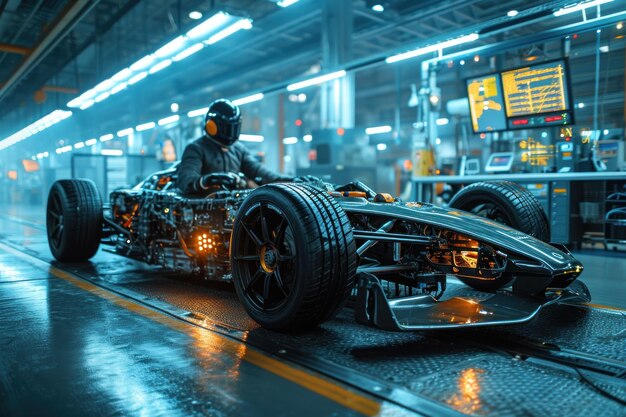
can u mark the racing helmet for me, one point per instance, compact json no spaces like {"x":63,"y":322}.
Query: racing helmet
{"x":223,"y":122}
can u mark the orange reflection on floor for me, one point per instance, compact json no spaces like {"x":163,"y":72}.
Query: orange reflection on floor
{"x":467,"y":400}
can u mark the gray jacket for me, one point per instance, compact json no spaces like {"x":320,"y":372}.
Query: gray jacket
{"x":204,"y":156}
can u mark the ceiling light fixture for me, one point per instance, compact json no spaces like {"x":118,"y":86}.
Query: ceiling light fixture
{"x":145,"y":126}
{"x":512,"y":13}
{"x":235,"y":27}
{"x":125,"y":132}
{"x":286,"y":3}
{"x":35,"y":127}
{"x":317,"y":80}
{"x":208,"y":32}
{"x":195,"y":15}
{"x":106,"y":138}
{"x":188,"y":52}
{"x":91,"y":142}
{"x":290,"y":140}
{"x":251,"y":138}
{"x":381,"y":146}
{"x":248,"y":99}
{"x":432,"y":48}
{"x":158,"y":67}
{"x":376,"y":130}
{"x":198,"y":112}
{"x":378,"y":8}
{"x":580,"y":6}
{"x":168,"y":120}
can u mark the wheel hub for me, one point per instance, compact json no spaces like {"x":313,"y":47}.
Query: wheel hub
{"x":269,"y":258}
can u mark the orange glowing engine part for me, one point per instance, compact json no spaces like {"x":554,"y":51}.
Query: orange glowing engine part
{"x":205,"y":243}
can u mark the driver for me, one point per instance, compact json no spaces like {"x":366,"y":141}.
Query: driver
{"x":216,"y":158}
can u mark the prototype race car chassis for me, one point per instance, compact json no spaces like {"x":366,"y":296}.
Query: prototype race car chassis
{"x":296,"y":252}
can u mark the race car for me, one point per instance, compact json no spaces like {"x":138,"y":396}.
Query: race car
{"x":296,"y":252}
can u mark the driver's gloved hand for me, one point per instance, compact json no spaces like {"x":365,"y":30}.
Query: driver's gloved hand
{"x":307,"y":179}
{"x":229,"y":180}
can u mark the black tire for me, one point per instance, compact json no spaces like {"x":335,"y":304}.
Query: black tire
{"x":506,"y":202}
{"x":293,"y":256}
{"x":74,"y":220}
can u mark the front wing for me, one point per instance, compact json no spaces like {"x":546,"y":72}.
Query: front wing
{"x":466,"y":308}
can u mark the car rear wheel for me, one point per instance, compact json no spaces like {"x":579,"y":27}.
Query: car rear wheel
{"x":293,"y":256}
{"x":74,"y":220}
{"x":505,"y":202}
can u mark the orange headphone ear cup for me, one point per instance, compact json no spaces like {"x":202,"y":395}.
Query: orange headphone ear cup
{"x":211,"y":127}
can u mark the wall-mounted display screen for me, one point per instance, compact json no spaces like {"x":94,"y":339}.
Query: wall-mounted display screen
{"x":536,"y":89}
{"x":486,"y":103}
{"x":532,"y":96}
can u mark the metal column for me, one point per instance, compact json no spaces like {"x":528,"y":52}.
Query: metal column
{"x":337,"y":96}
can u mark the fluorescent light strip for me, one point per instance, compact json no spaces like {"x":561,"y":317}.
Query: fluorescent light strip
{"x":168,"y":120}
{"x":104,"y":85}
{"x":64,"y":149}
{"x":36,"y":127}
{"x":137,"y":78}
{"x":249,"y":99}
{"x":251,"y":138}
{"x":122,"y":75}
{"x":112,"y":152}
{"x":143,"y":63}
{"x":381,"y":146}
{"x":145,"y":126}
{"x":290,"y":140}
{"x":216,"y":28}
{"x":158,"y":67}
{"x":107,"y":137}
{"x":213,"y":23}
{"x":173,"y":46}
{"x":79,"y":145}
{"x":376,"y":130}
{"x":442,"y":121}
{"x":125,"y":132}
{"x":198,"y":112}
{"x":102,"y":97}
{"x":119,"y":88}
{"x":235,"y":27}
{"x":87,"y":104}
{"x":307,"y":138}
{"x":91,"y":142}
{"x":188,"y":52}
{"x":286,"y":3}
{"x":316,"y":80}
{"x":580,"y":6}
{"x":432,"y":48}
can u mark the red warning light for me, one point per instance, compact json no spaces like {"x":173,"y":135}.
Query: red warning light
{"x":575,"y":36}
{"x":568,"y":139}
{"x":520,"y":122}
{"x":553,"y":119}
{"x":483,"y":136}
{"x":341,"y":131}
{"x":298,"y":122}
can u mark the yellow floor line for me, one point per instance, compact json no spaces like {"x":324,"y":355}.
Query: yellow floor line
{"x":603,"y":307}
{"x":318,"y":384}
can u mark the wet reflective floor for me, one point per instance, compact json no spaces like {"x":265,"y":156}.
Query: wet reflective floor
{"x":114,"y":337}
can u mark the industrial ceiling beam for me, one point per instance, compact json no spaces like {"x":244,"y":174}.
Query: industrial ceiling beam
{"x":65,"y":23}
{"x":15,"y":49}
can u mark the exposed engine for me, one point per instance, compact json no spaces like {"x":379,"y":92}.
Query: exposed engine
{"x":185,"y":234}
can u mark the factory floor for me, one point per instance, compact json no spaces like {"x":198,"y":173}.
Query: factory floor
{"x":116,"y":337}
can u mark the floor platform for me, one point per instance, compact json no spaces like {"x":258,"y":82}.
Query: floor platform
{"x":117,"y":337}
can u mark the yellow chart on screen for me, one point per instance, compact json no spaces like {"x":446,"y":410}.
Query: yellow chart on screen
{"x":534,"y":90}
{"x":483,"y":95}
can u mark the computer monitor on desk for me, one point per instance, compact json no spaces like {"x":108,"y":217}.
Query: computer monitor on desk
{"x":500,"y":162}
